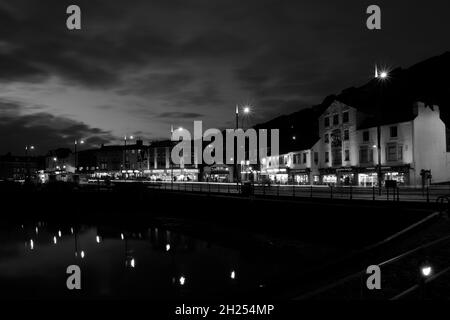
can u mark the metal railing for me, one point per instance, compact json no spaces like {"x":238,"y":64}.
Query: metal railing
{"x":400,"y":275}
{"x":430,"y":194}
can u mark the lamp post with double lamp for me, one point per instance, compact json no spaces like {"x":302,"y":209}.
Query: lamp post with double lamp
{"x":29,"y":148}
{"x":125,"y":138}
{"x":76,"y":152}
{"x":381,"y":76}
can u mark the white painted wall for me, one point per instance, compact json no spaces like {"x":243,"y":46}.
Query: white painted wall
{"x":430,"y":145}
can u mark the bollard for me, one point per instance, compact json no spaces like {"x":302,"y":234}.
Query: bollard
{"x":398,"y":194}
{"x":278,"y":191}
{"x":331,"y":192}
{"x":428,"y":194}
{"x":351,"y":192}
{"x":293,"y":191}
{"x":373,"y":193}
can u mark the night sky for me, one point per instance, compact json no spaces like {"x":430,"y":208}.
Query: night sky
{"x":139,"y":66}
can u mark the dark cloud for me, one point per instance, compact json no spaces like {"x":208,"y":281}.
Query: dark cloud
{"x":181,"y":115}
{"x":201,"y":57}
{"x":43,"y":130}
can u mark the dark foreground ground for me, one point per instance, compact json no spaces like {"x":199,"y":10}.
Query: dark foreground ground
{"x":297,"y":245}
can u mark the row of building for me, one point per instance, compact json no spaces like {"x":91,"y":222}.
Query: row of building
{"x":352,"y":148}
{"x":355,"y":148}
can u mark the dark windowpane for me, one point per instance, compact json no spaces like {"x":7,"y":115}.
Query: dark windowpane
{"x":335,"y":119}
{"x":366,"y":136}
{"x":393,"y":132}
{"x":345,"y":117}
{"x":346,"y":135}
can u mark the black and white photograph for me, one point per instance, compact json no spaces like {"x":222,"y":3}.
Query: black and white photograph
{"x":222,"y":159}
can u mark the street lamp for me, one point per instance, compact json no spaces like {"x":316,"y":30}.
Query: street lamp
{"x":245,"y":110}
{"x":76,"y":153}
{"x":28,"y":147}
{"x":125,"y":138}
{"x":31,"y":148}
{"x":426,"y":271}
{"x":381,"y":76}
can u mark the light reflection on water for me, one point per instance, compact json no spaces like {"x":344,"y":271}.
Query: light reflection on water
{"x":148,"y":262}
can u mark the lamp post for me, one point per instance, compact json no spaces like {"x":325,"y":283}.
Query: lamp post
{"x":125,"y":138}
{"x":426,"y":271}
{"x":381,"y":76}
{"x":170,"y":157}
{"x":31,"y":148}
{"x":76,"y":152}
{"x":245,"y":110}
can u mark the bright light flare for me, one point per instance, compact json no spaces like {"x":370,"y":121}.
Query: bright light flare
{"x":426,"y":271}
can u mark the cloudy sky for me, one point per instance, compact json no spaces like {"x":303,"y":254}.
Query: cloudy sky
{"x":139,"y":66}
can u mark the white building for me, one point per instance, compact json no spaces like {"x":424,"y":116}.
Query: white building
{"x":347,"y":152}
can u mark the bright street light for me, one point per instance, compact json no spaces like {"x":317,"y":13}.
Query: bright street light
{"x":426,"y":270}
{"x":246,"y":109}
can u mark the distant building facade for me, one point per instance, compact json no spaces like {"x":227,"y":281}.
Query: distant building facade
{"x":19,"y":167}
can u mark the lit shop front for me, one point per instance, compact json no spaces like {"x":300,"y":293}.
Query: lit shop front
{"x":172,"y":174}
{"x":346,"y":176}
{"x":328,"y":176}
{"x":369,"y":176}
{"x":301,"y":177}
{"x":279,"y":176}
{"x":218,"y":173}
{"x":367,"y":179}
{"x":132,"y":174}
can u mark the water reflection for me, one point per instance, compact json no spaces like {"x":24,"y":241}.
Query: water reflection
{"x":148,"y":261}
